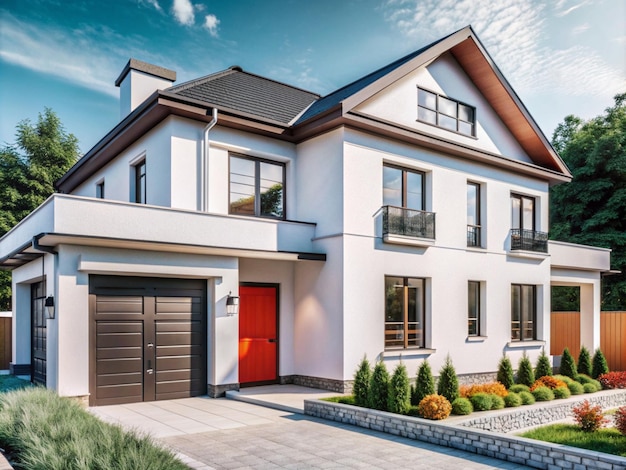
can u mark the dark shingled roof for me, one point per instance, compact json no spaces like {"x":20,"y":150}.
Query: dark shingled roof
{"x":242,"y":91}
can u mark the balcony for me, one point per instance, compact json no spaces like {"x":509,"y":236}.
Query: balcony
{"x":529,"y":240}
{"x":474,"y":236}
{"x":408,"y":226}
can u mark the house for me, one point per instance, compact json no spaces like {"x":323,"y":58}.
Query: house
{"x":234,"y":230}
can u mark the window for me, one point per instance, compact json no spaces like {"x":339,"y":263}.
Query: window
{"x":256,"y":187}
{"x":140,"y":182}
{"x":523,"y":312}
{"x":404,"y":312}
{"x":473,"y":215}
{"x":100,"y":190}
{"x":444,"y":112}
{"x":403,"y":188}
{"x":473,"y":308}
{"x":522,"y":212}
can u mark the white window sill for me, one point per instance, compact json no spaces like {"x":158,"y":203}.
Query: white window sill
{"x":475,"y":339}
{"x":528,"y":254}
{"x":411,"y":241}
{"x":525,"y":344}
{"x":408,"y":352}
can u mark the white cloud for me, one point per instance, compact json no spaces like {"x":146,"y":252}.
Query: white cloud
{"x":211,"y":23}
{"x":581,"y":28}
{"x":515,"y":32}
{"x":183,"y":12}
{"x":561,"y":10}
{"x":153,"y":3}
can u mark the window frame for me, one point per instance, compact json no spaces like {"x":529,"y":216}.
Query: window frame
{"x":405,"y":172}
{"x":522,"y":318}
{"x":476,"y":315}
{"x":478,"y":215}
{"x":100,"y":189}
{"x":438,"y":112}
{"x":405,"y":315}
{"x":140,"y":179}
{"x":257,"y":186}
{"x":520,"y":221}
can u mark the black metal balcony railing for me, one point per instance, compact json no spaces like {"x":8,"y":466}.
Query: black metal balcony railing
{"x":408,"y":222}
{"x":529,"y":240}
{"x":473,"y":235}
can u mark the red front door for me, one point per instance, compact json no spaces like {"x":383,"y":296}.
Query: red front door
{"x":258,"y":338}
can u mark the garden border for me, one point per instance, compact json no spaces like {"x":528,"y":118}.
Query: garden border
{"x":460,"y":435}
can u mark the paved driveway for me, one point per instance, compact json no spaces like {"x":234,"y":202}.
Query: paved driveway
{"x":226,"y":434}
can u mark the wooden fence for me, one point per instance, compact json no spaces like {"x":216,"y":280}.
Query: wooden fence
{"x":5,"y":342}
{"x":565,"y":332}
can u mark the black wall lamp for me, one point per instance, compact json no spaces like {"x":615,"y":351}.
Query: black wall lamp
{"x":232,"y":305}
{"x":49,"y":304}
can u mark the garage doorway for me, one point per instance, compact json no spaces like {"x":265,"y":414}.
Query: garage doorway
{"x":148,"y":339}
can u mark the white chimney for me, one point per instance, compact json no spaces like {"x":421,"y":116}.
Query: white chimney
{"x":138,"y":81}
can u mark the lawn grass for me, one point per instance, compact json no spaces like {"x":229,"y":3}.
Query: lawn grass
{"x":607,"y":440}
{"x":10,"y":382}
{"x":40,"y":430}
{"x":346,"y":400}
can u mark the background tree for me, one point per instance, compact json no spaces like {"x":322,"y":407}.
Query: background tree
{"x":591,"y":209}
{"x":43,"y":152}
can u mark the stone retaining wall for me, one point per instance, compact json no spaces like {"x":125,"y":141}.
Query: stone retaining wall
{"x":516,"y":449}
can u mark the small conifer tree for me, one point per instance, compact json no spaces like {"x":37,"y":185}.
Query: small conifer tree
{"x":399,"y":399}
{"x":448,"y":384}
{"x":505,"y":372}
{"x":599,"y":364}
{"x":584,"y":362}
{"x":568,"y":365}
{"x":525,"y":374}
{"x":379,"y":387}
{"x":361,"y":386}
{"x":424,"y":385}
{"x":544,"y":368}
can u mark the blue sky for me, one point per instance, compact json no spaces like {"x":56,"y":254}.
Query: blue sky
{"x":561,"y":56}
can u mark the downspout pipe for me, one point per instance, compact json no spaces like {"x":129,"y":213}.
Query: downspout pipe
{"x":205,"y":161}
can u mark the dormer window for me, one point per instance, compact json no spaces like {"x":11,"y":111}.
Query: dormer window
{"x":441,"y":111}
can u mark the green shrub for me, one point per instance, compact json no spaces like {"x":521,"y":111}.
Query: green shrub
{"x":564,"y":378}
{"x":361,"y":385}
{"x":561,"y":392}
{"x":424,"y":384}
{"x":598,"y":385}
{"x":544,"y":367}
{"x":584,"y":361}
{"x":379,"y":388}
{"x":512,"y":400}
{"x":462,"y":406}
{"x":45,"y":431}
{"x":517,"y":388}
{"x":481,"y":401}
{"x":589,"y":388}
{"x":599,"y":364}
{"x":585,"y":379}
{"x":576,"y":388}
{"x":399,"y":399}
{"x":543,"y":394}
{"x":568,"y":366}
{"x":505,"y":372}
{"x":346,"y":400}
{"x":525,"y":374}
{"x":527,"y":398}
{"x":497,"y":402}
{"x":448,"y":384}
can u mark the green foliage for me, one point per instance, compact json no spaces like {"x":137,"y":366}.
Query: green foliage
{"x":525,"y":374}
{"x":44,"y":431}
{"x":565,"y":299}
{"x":482,"y":401}
{"x":517,"y":388}
{"x":544,"y":367}
{"x":497,"y":402}
{"x":568,"y":365}
{"x":584,"y":361}
{"x":42,"y":154}
{"x":505,"y":372}
{"x":462,"y":406}
{"x":378,"y":392}
{"x":399,"y":399}
{"x":543,"y":394}
{"x":527,"y":398}
{"x":608,"y":441}
{"x":576,"y":388}
{"x":424,"y":384}
{"x":361,"y":386}
{"x":589,"y":388}
{"x":599,"y":364}
{"x":561,"y":392}
{"x":448,"y":384}
{"x":512,"y":400}
{"x":591,"y":209}
{"x":585,"y":379}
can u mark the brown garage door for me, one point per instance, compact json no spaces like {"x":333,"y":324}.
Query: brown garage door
{"x":148,"y":339}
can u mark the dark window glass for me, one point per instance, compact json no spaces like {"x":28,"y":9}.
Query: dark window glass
{"x":100,"y":190}
{"x":473,"y":308}
{"x":403,"y":188}
{"x":140,"y":183}
{"x":445,"y":112}
{"x":523,"y":312}
{"x":522,"y":212}
{"x":404,"y":312}
{"x":473,"y":215}
{"x":256,"y":187}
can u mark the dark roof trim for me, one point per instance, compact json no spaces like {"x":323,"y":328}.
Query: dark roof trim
{"x":145,"y":67}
